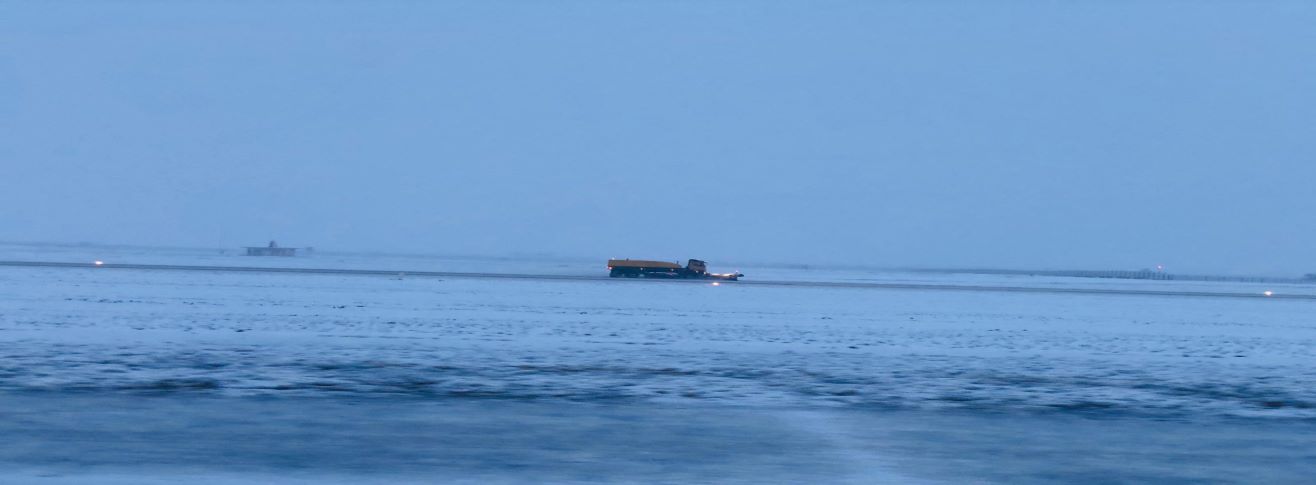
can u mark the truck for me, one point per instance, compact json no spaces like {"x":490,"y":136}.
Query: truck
{"x":642,"y":268}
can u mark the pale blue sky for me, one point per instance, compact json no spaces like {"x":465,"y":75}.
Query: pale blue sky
{"x":1015,"y":134}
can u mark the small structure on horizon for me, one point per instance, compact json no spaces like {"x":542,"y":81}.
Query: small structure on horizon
{"x":273,"y":249}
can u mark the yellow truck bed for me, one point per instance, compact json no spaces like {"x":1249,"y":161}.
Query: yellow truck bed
{"x":640,"y":263}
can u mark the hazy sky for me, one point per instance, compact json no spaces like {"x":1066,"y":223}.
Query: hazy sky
{"x":1070,"y":134}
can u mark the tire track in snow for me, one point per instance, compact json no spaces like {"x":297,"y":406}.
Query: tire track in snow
{"x":526,"y":276}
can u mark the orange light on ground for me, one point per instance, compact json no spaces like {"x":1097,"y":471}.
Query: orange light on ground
{"x":99,"y":262}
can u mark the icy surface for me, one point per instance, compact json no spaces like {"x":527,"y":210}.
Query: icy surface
{"x":597,"y":267}
{"x":801,"y":382}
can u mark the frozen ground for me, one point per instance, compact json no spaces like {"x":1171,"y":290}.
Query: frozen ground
{"x":142,"y":375}
{"x":596,"y":267}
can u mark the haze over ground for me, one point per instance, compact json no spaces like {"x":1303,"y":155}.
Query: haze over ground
{"x":1006,"y":134}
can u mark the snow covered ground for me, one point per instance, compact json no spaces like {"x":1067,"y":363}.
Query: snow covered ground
{"x":596,"y":267}
{"x":148,"y":375}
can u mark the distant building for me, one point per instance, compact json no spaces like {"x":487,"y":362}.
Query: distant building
{"x":273,"y":249}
